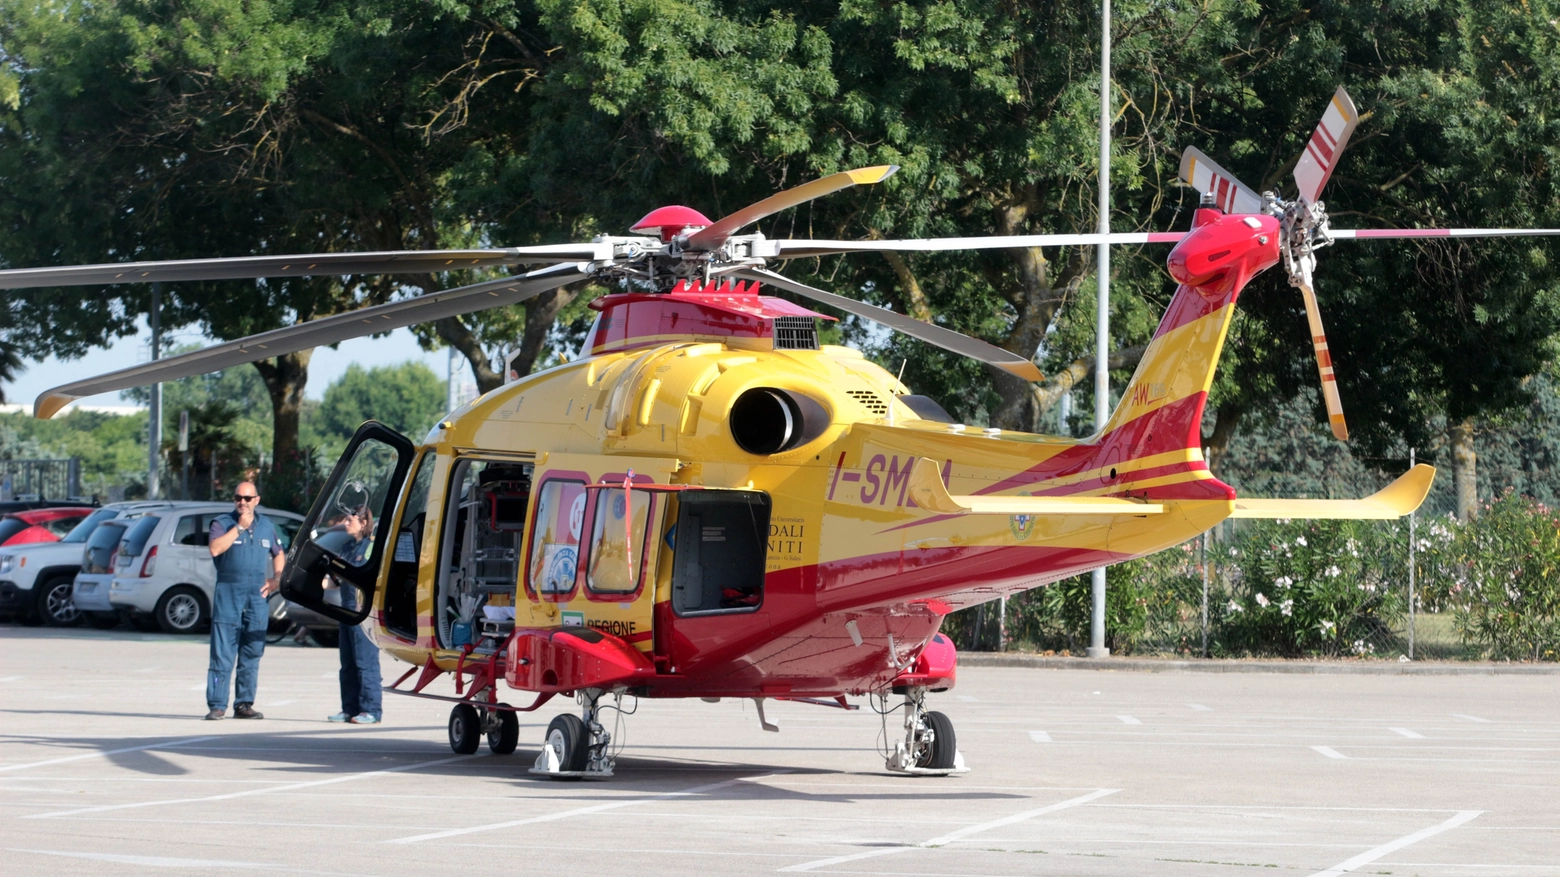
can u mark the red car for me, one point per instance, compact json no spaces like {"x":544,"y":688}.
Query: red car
{"x":39,"y":525}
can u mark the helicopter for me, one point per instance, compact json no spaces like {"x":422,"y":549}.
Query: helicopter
{"x":708,"y":502}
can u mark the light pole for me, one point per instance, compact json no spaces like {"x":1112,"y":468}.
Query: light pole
{"x":154,"y":422}
{"x":1102,"y":320}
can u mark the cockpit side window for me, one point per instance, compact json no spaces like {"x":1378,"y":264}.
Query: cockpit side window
{"x":555,"y":536}
{"x":619,"y":540}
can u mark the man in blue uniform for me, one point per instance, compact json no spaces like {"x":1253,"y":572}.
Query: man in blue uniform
{"x":249,"y":564}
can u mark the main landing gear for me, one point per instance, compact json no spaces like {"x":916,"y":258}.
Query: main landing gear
{"x":929,"y":747}
{"x":468,"y":725}
{"x":579,"y":746}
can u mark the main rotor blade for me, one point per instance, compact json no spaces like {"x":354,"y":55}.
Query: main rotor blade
{"x":712,"y":237}
{"x":316,"y":333}
{"x":801,"y":249}
{"x":1327,"y":143}
{"x":304,"y":265}
{"x":937,"y":336}
{"x":1324,"y":366}
{"x":1348,"y":234}
{"x":1204,"y":175}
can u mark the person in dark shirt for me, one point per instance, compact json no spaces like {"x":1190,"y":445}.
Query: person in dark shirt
{"x":248,"y":557}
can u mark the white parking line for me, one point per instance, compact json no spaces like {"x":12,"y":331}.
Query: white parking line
{"x":168,"y":862}
{"x":1129,"y":720}
{"x":579,"y":811}
{"x":967,"y":698}
{"x":1330,"y":752}
{"x":960,"y":834}
{"x":1466,"y":717}
{"x":1039,"y":736}
{"x":1407,"y":733}
{"x":11,"y":678}
{"x":1200,"y":707}
{"x":1372,"y":855}
{"x":164,"y":745}
{"x":244,"y":794}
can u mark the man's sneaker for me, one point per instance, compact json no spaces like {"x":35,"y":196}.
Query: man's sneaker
{"x":339,"y":718}
{"x":246,"y":711}
{"x":216,"y":715}
{"x":365,"y":719}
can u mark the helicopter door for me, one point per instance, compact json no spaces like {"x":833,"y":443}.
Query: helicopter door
{"x":349,"y":525}
{"x":720,"y":542}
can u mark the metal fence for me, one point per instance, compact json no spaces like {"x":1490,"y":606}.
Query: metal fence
{"x":42,"y":479}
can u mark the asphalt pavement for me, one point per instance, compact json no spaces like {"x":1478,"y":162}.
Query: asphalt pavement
{"x":106,"y":765}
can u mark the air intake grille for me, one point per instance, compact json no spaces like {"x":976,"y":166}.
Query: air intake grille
{"x":796,"y":333}
{"x":869,"y":400}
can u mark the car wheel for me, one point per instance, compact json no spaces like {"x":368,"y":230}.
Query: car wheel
{"x":465,"y":729}
{"x":54,"y":603}
{"x":181,"y":610}
{"x":103,"y":620}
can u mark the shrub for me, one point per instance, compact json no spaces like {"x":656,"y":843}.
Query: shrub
{"x":1313,"y":587}
{"x":1505,"y":584}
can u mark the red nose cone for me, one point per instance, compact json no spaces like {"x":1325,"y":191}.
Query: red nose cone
{"x":669,"y":222}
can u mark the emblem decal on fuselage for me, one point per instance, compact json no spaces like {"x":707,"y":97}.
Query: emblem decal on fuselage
{"x":1022,"y":526}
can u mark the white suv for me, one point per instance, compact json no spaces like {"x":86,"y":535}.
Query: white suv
{"x":163,"y":565}
{"x":35,"y":579}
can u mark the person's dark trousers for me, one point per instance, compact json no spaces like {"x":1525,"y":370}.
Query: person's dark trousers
{"x":239,"y":616}
{"x":360,"y":680}
{"x":359,"y":675}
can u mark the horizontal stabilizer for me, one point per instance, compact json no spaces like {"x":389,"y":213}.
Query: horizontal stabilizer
{"x":926,"y":485}
{"x":1397,"y":499}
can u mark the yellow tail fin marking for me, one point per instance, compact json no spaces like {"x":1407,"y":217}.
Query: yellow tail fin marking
{"x":1397,"y":499}
{"x":926,"y":485}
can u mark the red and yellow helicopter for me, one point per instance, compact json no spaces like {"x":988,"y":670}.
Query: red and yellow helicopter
{"x":709,"y":503}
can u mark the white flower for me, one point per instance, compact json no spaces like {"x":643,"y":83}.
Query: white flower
{"x":1300,"y":541}
{"x":1326,"y":627}
{"x":1235,"y":607}
{"x":1233,"y":553}
{"x":1333,"y":572}
{"x":1287,"y":607}
{"x":1284,"y":582}
{"x":1261,"y":600}
{"x":1362,"y":647}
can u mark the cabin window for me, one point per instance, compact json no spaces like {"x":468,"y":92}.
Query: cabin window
{"x":719,"y":546}
{"x":618,"y":541}
{"x":480,"y":556}
{"x":555,"y":537}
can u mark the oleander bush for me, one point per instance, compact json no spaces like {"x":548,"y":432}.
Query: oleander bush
{"x":1501,"y":579}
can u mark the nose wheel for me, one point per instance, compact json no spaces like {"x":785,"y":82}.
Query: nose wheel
{"x":929,"y":746}
{"x":577,"y":746}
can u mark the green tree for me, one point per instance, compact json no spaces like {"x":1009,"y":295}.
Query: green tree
{"x":408,"y":398}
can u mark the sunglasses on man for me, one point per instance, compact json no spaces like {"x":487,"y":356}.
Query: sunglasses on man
{"x":245,"y":497}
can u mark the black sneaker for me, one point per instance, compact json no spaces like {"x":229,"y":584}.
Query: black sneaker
{"x":245,"y":711}
{"x":216,"y":715}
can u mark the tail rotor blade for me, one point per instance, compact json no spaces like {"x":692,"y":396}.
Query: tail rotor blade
{"x":1327,"y":142}
{"x":1229,"y":194}
{"x":712,"y":237}
{"x":1324,"y":366}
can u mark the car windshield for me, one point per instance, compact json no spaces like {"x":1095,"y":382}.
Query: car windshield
{"x":136,"y":536}
{"x":84,"y":529}
{"x":10,"y":526}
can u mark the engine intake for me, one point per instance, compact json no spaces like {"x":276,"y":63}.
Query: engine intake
{"x":767,"y":421}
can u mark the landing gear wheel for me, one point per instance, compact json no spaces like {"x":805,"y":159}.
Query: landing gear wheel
{"x":503,"y":733}
{"x":566,"y":738}
{"x":181,"y":610}
{"x":465,"y":729}
{"x":54,"y":603}
{"x":937,"y":753}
